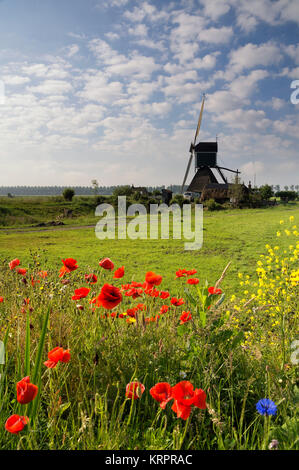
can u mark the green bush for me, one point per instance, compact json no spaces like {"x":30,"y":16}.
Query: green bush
{"x":212,"y":205}
{"x":68,"y":194}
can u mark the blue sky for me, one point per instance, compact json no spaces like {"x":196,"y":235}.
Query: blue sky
{"x":112,"y":89}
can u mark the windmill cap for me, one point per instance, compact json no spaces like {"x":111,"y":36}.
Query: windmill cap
{"x":206,"y":147}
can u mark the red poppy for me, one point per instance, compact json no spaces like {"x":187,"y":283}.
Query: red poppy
{"x":34,"y":281}
{"x":153,"y":279}
{"x":214,"y":291}
{"x":131,"y":312}
{"x":14,"y":263}
{"x":185,"y":396}
{"x":1,"y":299}
{"x":81,"y":293}
{"x":22,"y":271}
{"x":164,"y":295}
{"x":57,"y":354}
{"x":91,"y":278}
{"x":134,"y":390}
{"x":164,"y":309}
{"x":69,"y":265}
{"x":43,"y":274}
{"x":193,"y":280}
{"x":191,"y":272}
{"x":136,"y":284}
{"x":106,"y":263}
{"x":134,"y":293}
{"x":140,"y":307}
{"x":26,"y":391}
{"x":161,"y":392}
{"x":181,"y":273}
{"x":119,"y":273}
{"x":109,"y":297}
{"x":177,"y":302}
{"x":16,"y":423}
{"x":185,"y":317}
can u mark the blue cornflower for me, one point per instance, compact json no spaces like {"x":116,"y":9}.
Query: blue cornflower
{"x":266,"y":407}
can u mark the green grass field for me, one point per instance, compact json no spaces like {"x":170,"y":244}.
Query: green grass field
{"x":238,"y":236}
{"x":238,"y":346}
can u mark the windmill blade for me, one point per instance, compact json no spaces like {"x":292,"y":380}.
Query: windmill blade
{"x":194,"y":142}
{"x":199,"y":119}
{"x":187,"y":171}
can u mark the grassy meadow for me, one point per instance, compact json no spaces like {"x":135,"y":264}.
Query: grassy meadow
{"x":238,"y":345}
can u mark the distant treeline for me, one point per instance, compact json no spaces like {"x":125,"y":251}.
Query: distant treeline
{"x":79,"y":190}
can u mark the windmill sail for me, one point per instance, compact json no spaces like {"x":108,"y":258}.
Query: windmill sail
{"x":194,"y":142}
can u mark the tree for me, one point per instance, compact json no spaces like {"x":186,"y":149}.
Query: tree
{"x":266,"y":191}
{"x":68,"y":194}
{"x":123,"y":191}
{"x":95,"y":187}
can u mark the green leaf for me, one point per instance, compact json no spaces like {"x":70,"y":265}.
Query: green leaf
{"x":190,"y":297}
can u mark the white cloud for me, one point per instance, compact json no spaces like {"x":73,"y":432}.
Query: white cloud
{"x":252,"y":55}
{"x":215,"y":8}
{"x":49,"y":87}
{"x":112,"y":36}
{"x":15,"y":79}
{"x":72,"y":50}
{"x":138,"y":30}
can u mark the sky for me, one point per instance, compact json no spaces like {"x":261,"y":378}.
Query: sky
{"x":111,"y":89}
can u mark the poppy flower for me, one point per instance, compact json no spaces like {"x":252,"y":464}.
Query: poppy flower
{"x":214,"y":291}
{"x":119,"y":273}
{"x":16,"y":423}
{"x":161,"y":392}
{"x":91,"y":278}
{"x":193,"y":280}
{"x":181,"y":273}
{"x":1,"y":299}
{"x":69,"y":265}
{"x":134,"y":293}
{"x":22,"y":271}
{"x":109,"y":297}
{"x":106,"y":263}
{"x":26,"y":391}
{"x":57,"y":354}
{"x":42,"y":274}
{"x":185,"y":317}
{"x":134,"y":390}
{"x":14,"y":263}
{"x":185,"y":396}
{"x":177,"y":302}
{"x":81,"y":293}
{"x":164,"y":295}
{"x":131,"y":312}
{"x":140,"y":307}
{"x":164,"y":309}
{"x":191,"y":272}
{"x":153,"y":279}
{"x":34,"y":281}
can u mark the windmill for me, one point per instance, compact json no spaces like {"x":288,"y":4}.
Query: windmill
{"x":205,"y":158}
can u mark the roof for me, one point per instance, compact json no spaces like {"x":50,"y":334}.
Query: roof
{"x":206,"y":147}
